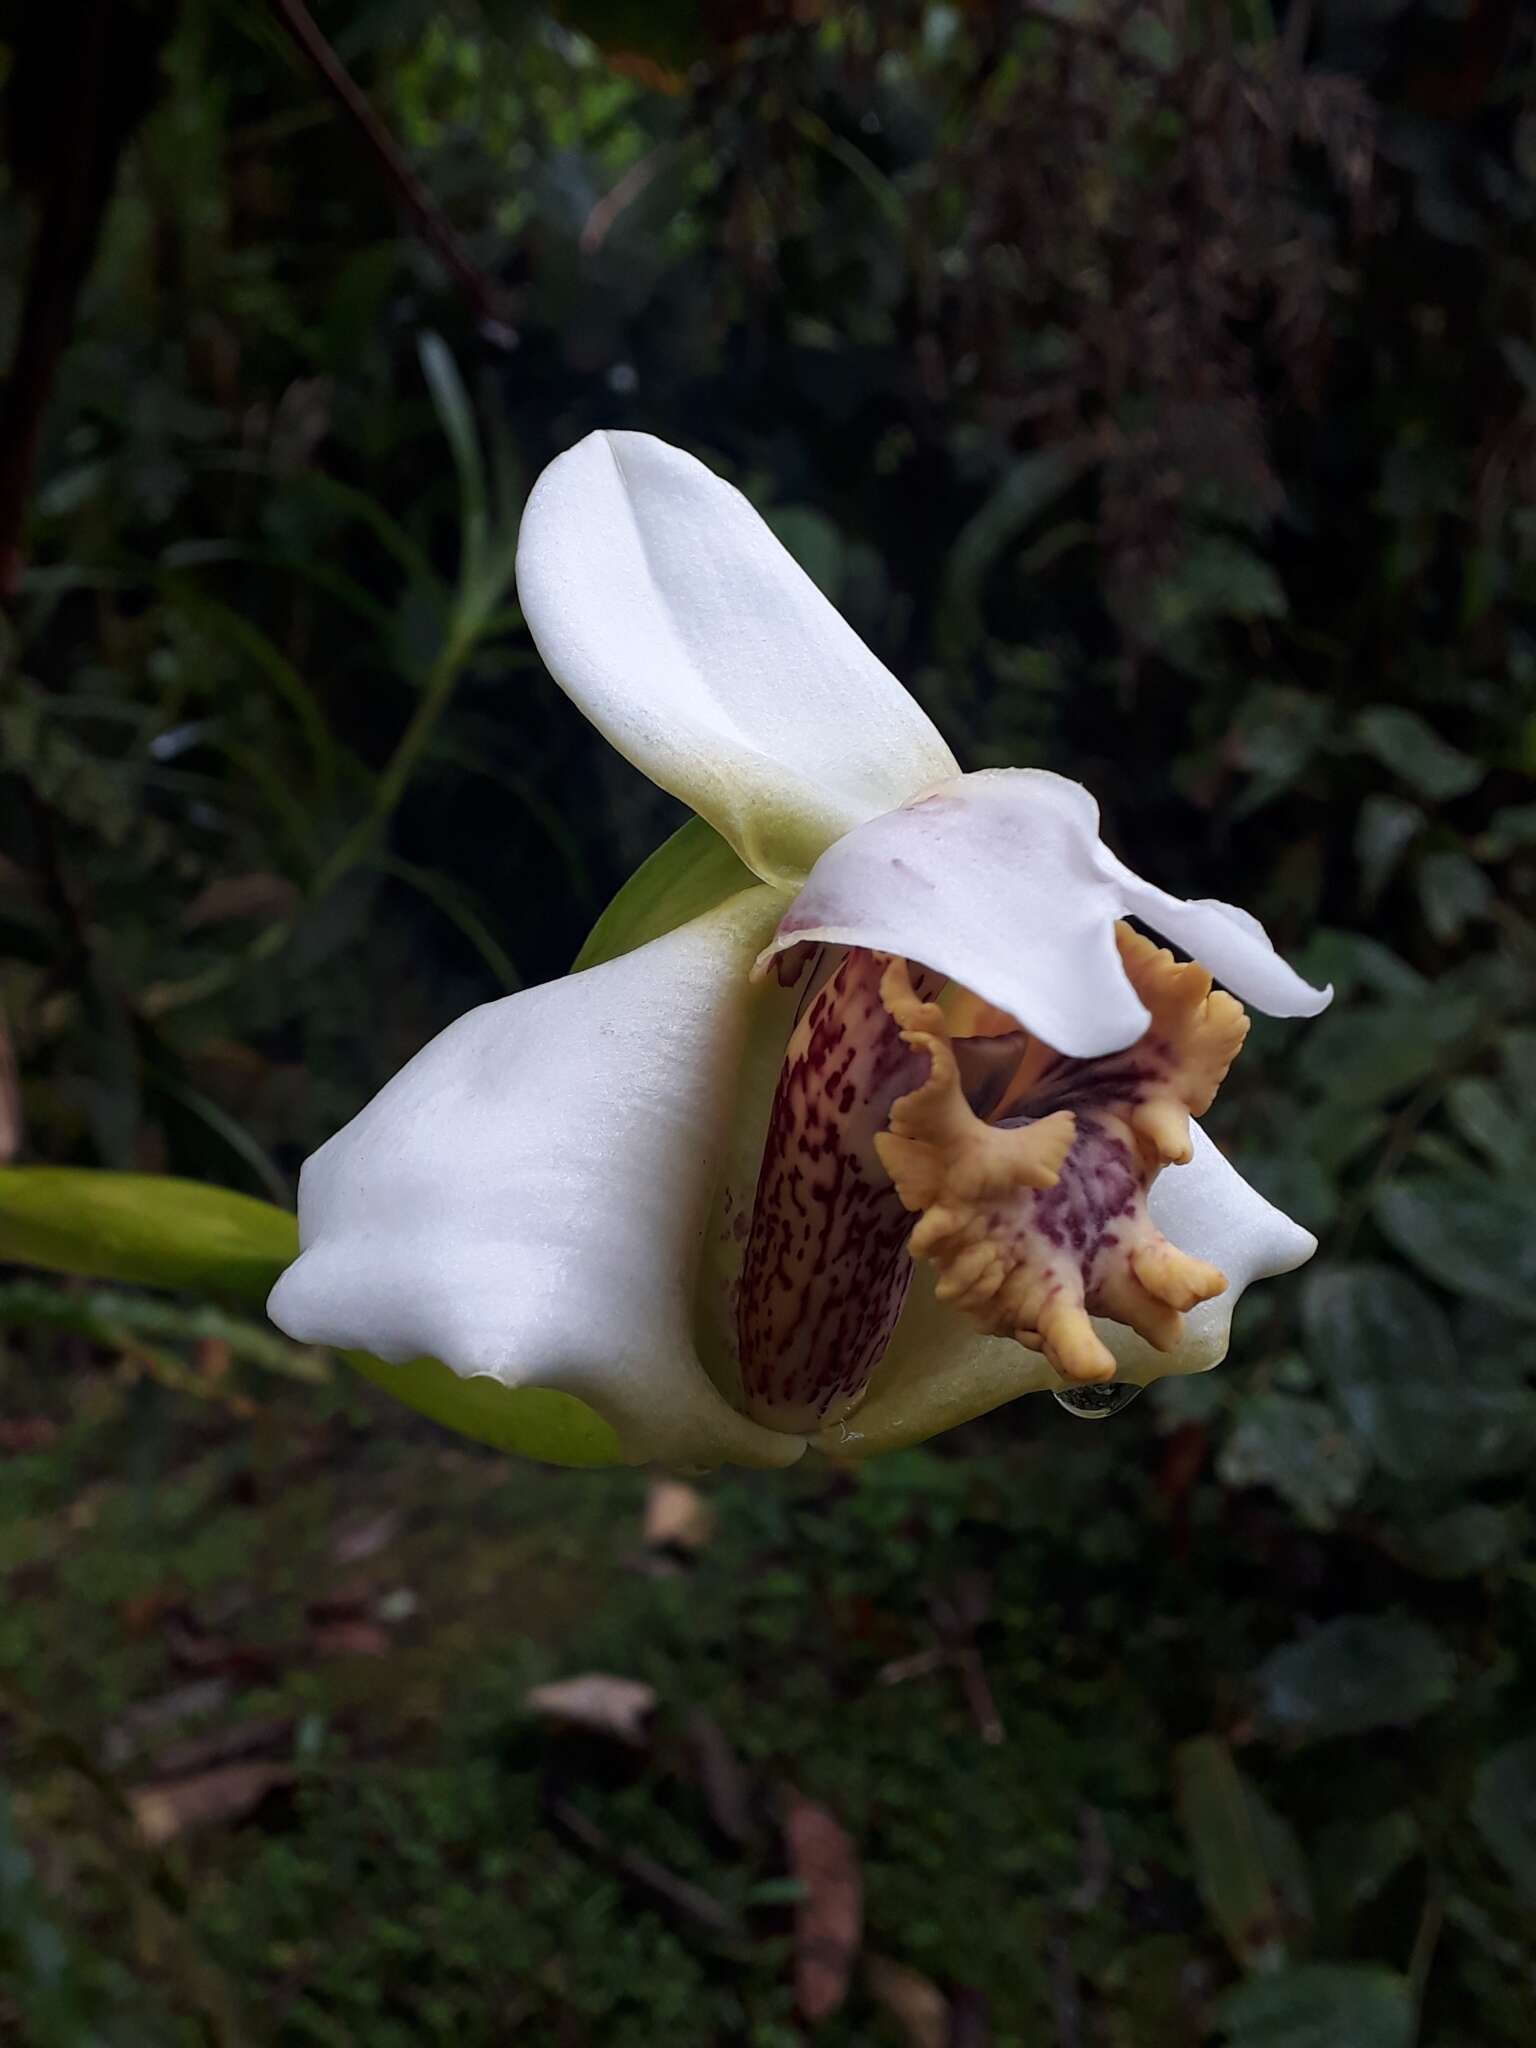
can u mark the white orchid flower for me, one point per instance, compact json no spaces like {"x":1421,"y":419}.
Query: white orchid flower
{"x":886,"y":1122}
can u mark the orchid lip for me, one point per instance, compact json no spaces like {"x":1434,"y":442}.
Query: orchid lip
{"x":1033,"y":1214}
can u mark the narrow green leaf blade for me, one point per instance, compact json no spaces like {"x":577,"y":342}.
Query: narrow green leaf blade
{"x":689,"y":873}
{"x":530,"y":1422}
{"x":143,"y":1228}
{"x":1023,"y":492}
{"x":1248,"y":1866}
{"x":457,"y":418}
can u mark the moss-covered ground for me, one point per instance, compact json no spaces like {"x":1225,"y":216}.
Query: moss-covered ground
{"x":981,"y":1661}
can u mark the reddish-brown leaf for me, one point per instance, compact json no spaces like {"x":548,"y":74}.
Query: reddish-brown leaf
{"x":722,"y":1777}
{"x":914,"y":2001}
{"x":829,"y":1918}
{"x":677,"y":1517}
{"x":195,"y":1755}
{"x":10,"y":1097}
{"x":265,"y":897}
{"x":196,"y":1649}
{"x":161,"y":1813}
{"x":22,"y":1433}
{"x":365,"y":1536}
{"x":349,"y":1639}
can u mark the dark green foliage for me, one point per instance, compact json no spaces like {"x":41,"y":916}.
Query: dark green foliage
{"x":415,"y":1880}
{"x":1317,"y":2006}
{"x":1153,"y":387}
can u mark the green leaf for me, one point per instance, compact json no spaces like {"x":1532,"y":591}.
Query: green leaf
{"x":461,"y":911}
{"x":531,"y":1422}
{"x":1275,"y":732}
{"x":1415,"y":752}
{"x":1319,"y":2005}
{"x":1383,"y":1348}
{"x":229,"y":629}
{"x":1355,"y":962}
{"x":1461,"y":1542}
{"x":1357,"y":1859}
{"x":1352,"y":1675}
{"x":1216,"y":578}
{"x":1363,"y":1054}
{"x":98,"y":795}
{"x":1387,"y":827}
{"x":1274,"y":736}
{"x":1510,"y":830}
{"x":156,"y":1232}
{"x":1497,"y":1127}
{"x":143,"y":1228}
{"x":456,"y":416}
{"x":1248,"y":1867}
{"x":688,"y":874}
{"x":1453,"y":890}
{"x":1517,"y":1053}
{"x":1474,"y":1237}
{"x":1300,"y":1449}
{"x":1335,"y":1135}
{"x":1025,"y":490}
{"x":1504,"y":1810}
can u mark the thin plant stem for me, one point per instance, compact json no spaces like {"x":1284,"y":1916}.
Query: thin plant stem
{"x":485,"y":300}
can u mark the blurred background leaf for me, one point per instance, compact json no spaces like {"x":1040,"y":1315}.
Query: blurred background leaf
{"x":1152,"y":386}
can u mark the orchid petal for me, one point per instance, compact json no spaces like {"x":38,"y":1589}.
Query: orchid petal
{"x":1229,"y":942}
{"x":527,"y":1199}
{"x":939,"y":1372}
{"x":1000,"y":881}
{"x":665,"y":608}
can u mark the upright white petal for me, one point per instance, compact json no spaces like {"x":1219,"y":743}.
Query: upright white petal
{"x":664,"y":606}
{"x":1001,"y":882}
{"x":939,"y":1372}
{"x":527,"y":1198}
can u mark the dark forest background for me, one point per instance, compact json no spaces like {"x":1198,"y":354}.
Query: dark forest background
{"x":1154,"y":387}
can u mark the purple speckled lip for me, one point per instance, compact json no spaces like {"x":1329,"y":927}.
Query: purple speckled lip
{"x":826,"y":1268}
{"x":1098,"y":1183}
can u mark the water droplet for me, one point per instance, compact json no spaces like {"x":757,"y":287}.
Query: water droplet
{"x":1097,"y":1404}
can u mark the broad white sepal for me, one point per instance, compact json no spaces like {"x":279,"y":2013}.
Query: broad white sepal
{"x":527,"y":1198}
